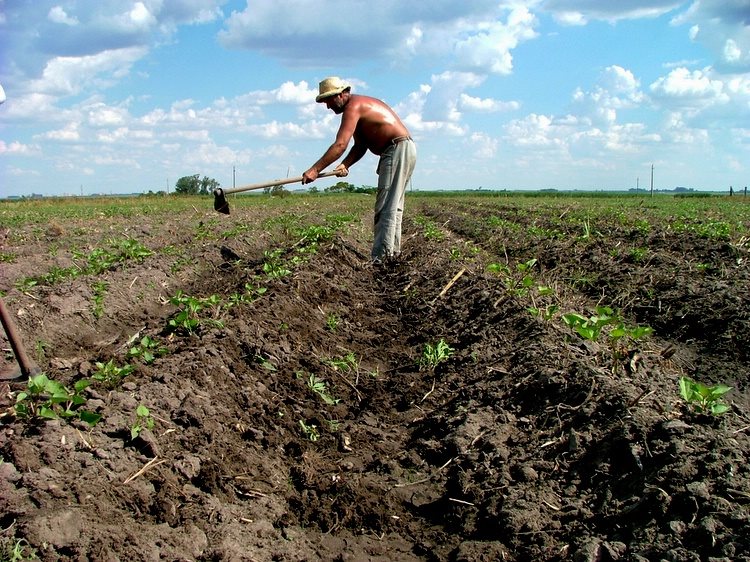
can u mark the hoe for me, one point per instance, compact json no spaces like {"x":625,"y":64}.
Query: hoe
{"x":222,"y":205}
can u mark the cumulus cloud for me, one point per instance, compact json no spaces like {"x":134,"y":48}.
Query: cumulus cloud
{"x":691,"y":86}
{"x":723,"y":26}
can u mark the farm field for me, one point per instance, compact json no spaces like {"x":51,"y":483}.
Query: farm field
{"x":250,"y":388}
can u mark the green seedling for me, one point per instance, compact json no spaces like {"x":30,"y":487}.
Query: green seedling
{"x":273,"y":266}
{"x":518,"y":283}
{"x":310,"y":431}
{"x":348,"y":362}
{"x":433,"y":355}
{"x":705,"y":399}
{"x":110,"y":374}
{"x":189,"y":316}
{"x":590,"y":328}
{"x":332,"y":322}
{"x":49,"y":399}
{"x":265,"y":363}
{"x":143,"y":420}
{"x":147,"y":350}
{"x":100,"y":290}
{"x":320,"y":387}
{"x":16,"y":550}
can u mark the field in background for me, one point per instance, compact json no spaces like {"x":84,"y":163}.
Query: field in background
{"x":250,"y":387}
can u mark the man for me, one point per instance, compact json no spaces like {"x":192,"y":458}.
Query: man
{"x":374,"y":127}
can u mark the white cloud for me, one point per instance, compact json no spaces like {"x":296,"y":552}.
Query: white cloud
{"x":19,"y":149}
{"x":690,"y":86}
{"x":64,"y":76}
{"x":579,"y":12}
{"x":57,"y":15}
{"x":68,"y":133}
{"x":485,"y":105}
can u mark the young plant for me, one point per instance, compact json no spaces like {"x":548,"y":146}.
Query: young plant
{"x":433,"y":355}
{"x":110,"y":374}
{"x":143,"y":420}
{"x":50,"y":399}
{"x":273,"y":266}
{"x":705,"y":399}
{"x":100,"y":289}
{"x":189,"y":318}
{"x":147,"y":350}
{"x":590,"y":328}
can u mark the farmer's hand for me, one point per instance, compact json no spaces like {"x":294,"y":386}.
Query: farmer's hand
{"x":341,"y":171}
{"x":310,"y":176}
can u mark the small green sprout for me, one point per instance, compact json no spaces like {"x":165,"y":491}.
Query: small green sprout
{"x":705,"y":399}
{"x":433,"y":355}
{"x":110,"y":374}
{"x":143,"y":420}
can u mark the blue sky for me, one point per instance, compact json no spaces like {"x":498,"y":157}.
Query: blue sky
{"x":115,"y":96}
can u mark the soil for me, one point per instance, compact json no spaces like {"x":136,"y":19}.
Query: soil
{"x":526,"y":442}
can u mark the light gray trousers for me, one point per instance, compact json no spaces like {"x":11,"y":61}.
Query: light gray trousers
{"x":394,"y":172}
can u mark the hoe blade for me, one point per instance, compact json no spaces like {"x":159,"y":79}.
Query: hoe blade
{"x":220,"y":202}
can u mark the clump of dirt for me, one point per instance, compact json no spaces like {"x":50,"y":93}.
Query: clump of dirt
{"x":303,"y":417}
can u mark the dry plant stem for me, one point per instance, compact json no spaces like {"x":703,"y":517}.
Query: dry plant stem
{"x":354,"y":388}
{"x":148,"y":466}
{"x":450,"y":284}
{"x":426,"y":478}
{"x":430,"y":392}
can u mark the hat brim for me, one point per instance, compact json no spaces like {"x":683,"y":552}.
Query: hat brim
{"x":330,"y":94}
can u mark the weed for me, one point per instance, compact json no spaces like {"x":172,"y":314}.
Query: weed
{"x":265,"y":363}
{"x":546,"y":313}
{"x":310,"y":431}
{"x":705,"y":399}
{"x":638,"y":255}
{"x":332,"y":322}
{"x":320,"y":387}
{"x":16,"y":550}
{"x":433,"y":355}
{"x":348,"y":362}
{"x":7,"y":257}
{"x":50,"y":399}
{"x":143,"y":420}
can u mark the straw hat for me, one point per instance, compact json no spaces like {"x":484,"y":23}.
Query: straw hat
{"x":330,"y":87}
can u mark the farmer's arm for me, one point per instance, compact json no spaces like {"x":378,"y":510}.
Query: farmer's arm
{"x":346,"y":131}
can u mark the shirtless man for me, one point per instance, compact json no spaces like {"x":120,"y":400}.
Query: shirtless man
{"x":374,"y":127}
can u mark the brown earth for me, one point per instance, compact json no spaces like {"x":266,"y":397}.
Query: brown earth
{"x":527,"y":443}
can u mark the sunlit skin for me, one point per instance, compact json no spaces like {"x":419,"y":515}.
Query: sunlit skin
{"x":369,"y":121}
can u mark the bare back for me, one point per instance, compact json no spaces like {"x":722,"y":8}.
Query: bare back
{"x":375,"y":124}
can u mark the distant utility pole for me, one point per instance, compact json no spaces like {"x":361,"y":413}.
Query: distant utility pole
{"x":234,"y":176}
{"x":652,"y":180}
{"x":637,"y":183}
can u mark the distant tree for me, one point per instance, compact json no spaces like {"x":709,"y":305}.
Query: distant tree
{"x":208,"y":185}
{"x":188,"y":185}
{"x":193,"y":185}
{"x":340,"y":187}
